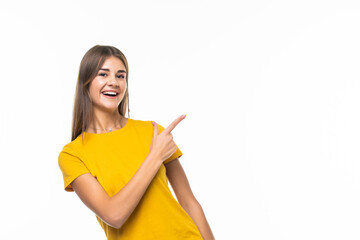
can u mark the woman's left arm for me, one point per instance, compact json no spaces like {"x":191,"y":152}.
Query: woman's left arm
{"x":186,"y":198}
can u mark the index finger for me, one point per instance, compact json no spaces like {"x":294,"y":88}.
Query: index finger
{"x":174,"y":124}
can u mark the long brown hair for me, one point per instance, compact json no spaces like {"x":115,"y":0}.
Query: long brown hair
{"x":91,"y":63}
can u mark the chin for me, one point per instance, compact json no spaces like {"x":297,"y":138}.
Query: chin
{"x":109,"y":108}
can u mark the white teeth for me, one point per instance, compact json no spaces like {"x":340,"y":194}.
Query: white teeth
{"x":110,"y":93}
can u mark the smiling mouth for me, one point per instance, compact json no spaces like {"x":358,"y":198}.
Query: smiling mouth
{"x":109,"y":95}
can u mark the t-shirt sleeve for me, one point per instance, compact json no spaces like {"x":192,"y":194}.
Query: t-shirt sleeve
{"x":176,"y":154}
{"x":71,"y":167}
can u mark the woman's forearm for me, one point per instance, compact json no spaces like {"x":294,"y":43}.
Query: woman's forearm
{"x":123,"y":203}
{"x":197,"y":214}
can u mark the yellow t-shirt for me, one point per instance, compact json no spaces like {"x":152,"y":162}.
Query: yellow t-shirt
{"x":113,"y":158}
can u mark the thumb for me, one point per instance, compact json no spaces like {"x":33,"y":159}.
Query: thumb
{"x":155,"y":127}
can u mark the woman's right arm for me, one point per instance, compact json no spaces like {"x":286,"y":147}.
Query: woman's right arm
{"x":115,"y":210}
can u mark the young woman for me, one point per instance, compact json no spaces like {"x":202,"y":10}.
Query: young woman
{"x":119,"y":167}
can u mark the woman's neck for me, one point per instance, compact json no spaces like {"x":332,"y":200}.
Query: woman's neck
{"x":104,"y":121}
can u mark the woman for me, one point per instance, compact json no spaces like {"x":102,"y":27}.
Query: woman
{"x":119,"y":167}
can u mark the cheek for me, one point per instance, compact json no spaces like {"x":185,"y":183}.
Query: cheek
{"x":95,"y":86}
{"x":123,"y":85}
{"x":94,"y":90}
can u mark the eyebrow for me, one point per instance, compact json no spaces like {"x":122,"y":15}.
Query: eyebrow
{"x":106,"y":69}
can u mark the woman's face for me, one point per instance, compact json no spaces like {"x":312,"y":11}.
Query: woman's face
{"x":109,"y":80}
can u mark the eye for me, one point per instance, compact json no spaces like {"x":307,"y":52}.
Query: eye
{"x":120,"y":76}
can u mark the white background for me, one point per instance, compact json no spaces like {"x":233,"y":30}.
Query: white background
{"x":270,"y":89}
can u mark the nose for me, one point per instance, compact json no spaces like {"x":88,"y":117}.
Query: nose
{"x":112,"y":81}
